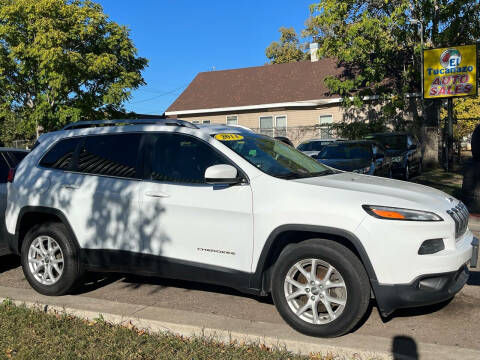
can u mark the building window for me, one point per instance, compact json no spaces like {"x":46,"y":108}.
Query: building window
{"x":326,"y":122}
{"x":232,"y":120}
{"x":266,"y":125}
{"x":206,"y":121}
{"x":281,"y":125}
{"x":195,"y":122}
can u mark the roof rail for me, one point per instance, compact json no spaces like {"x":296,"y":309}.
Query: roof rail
{"x":120,"y":122}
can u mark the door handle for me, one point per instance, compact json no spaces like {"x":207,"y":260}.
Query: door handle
{"x":155,"y":194}
{"x":71,"y":187}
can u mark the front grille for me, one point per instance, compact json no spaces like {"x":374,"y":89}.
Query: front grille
{"x":460,"y":215}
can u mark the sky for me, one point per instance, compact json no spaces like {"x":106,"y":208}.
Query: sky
{"x":181,"y":38}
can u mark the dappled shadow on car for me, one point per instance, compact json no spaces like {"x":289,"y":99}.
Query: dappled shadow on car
{"x":9,"y":262}
{"x":417,"y":311}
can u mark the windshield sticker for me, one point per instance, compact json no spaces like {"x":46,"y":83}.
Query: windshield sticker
{"x":228,"y":137}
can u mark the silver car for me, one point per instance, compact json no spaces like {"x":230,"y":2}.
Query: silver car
{"x":313,"y":146}
{"x":9,"y":159}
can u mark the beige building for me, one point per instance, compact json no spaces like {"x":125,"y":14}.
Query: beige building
{"x":278,"y":100}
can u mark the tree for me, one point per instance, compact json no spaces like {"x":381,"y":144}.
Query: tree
{"x":287,"y":50}
{"x":62,"y":61}
{"x":467,"y":113}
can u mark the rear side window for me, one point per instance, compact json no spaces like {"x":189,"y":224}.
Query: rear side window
{"x":111,"y":155}
{"x":61,"y":155}
{"x":3,"y":169}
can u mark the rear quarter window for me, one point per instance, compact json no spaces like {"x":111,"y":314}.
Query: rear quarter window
{"x":60,"y":156}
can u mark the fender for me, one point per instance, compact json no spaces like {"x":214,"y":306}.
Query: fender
{"x":257,"y":279}
{"x":14,"y":239}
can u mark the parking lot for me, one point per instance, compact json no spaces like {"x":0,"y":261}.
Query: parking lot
{"x":455,"y":323}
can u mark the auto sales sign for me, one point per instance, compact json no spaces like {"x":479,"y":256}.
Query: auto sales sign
{"x":450,"y":72}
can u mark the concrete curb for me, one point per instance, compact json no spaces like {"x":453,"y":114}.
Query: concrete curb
{"x":225,"y":329}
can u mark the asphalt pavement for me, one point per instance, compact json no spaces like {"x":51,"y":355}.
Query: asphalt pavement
{"x":455,"y":323}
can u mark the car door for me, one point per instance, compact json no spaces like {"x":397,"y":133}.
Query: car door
{"x":4,"y":168}
{"x":98,"y":193}
{"x":186,"y":219}
{"x":379,"y":159}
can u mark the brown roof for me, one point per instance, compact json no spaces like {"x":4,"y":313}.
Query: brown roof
{"x":258,"y":85}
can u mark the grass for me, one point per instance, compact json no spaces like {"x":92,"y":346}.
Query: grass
{"x":34,"y":334}
{"x":451,"y":182}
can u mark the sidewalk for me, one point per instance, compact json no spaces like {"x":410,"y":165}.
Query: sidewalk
{"x":225,"y":329}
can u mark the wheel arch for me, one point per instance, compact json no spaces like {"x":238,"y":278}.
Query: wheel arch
{"x":30,"y":216}
{"x":286,"y":235}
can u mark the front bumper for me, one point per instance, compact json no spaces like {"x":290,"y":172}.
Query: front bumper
{"x":426,"y":290}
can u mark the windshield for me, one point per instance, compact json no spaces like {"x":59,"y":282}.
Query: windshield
{"x":346,"y":151}
{"x":392,"y":142}
{"x":313,"y":145}
{"x":273,"y":157}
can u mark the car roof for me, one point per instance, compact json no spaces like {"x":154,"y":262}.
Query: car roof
{"x":393,"y":133}
{"x":357,"y":142}
{"x":12,"y":149}
{"x":322,"y":139}
{"x":123,"y":126}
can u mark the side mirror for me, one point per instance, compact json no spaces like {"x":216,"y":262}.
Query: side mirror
{"x":221,"y":174}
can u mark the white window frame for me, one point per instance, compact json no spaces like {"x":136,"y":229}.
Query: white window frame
{"x":208,"y":121}
{"x":325,"y":125}
{"x":284,"y":130}
{"x":226,"y":118}
{"x":195,"y":121}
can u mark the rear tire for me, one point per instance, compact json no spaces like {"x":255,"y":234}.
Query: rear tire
{"x":50,"y":259}
{"x":339,"y":308}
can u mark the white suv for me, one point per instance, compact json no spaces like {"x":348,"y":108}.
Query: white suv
{"x":223,"y":205}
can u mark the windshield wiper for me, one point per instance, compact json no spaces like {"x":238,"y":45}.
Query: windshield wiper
{"x":293,"y":175}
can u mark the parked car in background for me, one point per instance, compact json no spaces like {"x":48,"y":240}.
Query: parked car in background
{"x":313,"y":146}
{"x":284,"y":140}
{"x":404,"y":151}
{"x":9,"y":158}
{"x":360,"y":156}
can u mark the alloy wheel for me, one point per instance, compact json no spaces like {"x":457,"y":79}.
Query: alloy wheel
{"x":315,"y":291}
{"x":45,"y":260}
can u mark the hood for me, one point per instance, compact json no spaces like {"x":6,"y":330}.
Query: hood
{"x":395,"y":152}
{"x":311,"y":153}
{"x":398,"y":193}
{"x":346,"y":164}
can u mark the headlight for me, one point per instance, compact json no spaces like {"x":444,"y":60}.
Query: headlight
{"x":397,"y":159}
{"x":365,"y":170}
{"x":392,"y":213}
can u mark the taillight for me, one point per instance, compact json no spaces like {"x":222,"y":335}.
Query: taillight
{"x":11,"y":175}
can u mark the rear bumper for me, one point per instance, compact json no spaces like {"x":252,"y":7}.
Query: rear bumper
{"x":425,"y":290}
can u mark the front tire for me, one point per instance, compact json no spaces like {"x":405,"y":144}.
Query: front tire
{"x":49,"y":259}
{"x":320,"y":288}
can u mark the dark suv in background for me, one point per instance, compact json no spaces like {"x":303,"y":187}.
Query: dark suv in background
{"x":404,"y":150}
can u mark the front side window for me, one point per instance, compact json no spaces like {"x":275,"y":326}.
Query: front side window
{"x":61,"y":155}
{"x":346,"y":151}
{"x":110,"y":155}
{"x":180,"y":158}
{"x":275,"y":158}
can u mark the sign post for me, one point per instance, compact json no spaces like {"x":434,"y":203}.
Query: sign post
{"x":448,"y":73}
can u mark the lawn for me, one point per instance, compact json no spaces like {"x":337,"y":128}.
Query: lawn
{"x":450,"y":182}
{"x":33,"y":334}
